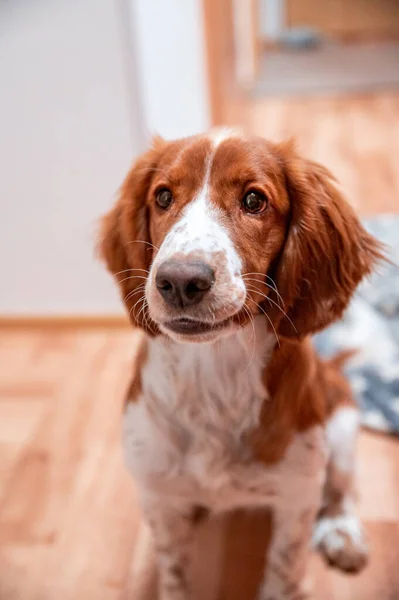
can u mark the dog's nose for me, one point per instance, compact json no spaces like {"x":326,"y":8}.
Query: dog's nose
{"x":184,"y":283}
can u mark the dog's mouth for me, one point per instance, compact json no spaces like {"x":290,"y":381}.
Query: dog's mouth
{"x":193,"y":327}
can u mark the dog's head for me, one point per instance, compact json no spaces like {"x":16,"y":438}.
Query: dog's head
{"x":211,"y":230}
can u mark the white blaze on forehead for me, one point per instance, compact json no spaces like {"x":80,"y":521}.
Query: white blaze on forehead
{"x":221,"y":134}
{"x":201,"y":227}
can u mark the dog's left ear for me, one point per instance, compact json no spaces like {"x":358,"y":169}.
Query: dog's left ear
{"x":327,"y":251}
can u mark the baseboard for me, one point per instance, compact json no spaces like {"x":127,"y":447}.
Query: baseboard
{"x":63,"y":321}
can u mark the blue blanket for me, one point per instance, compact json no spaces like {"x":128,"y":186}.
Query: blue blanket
{"x":371,"y":324}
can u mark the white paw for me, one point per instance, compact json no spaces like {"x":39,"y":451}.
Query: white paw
{"x":342,"y":542}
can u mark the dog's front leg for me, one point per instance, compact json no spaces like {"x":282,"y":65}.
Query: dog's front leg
{"x":297,"y":481}
{"x":286,"y":560}
{"x":173,"y":531}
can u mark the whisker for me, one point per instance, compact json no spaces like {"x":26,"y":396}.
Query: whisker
{"x":149,"y":321}
{"x":145,"y":314}
{"x":142,"y":299}
{"x":127,"y":271}
{"x":268,"y":318}
{"x":254,"y":273}
{"x":262,"y":275}
{"x":135,"y":291}
{"x":133,"y":277}
{"x":251,"y":318}
{"x":146,"y":317}
{"x":275,"y":286}
{"x":267,"y":285}
{"x":142,"y":242}
{"x":252,"y":287}
{"x":136,"y":303}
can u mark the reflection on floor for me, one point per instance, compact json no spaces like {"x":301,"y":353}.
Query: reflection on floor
{"x":330,"y":67}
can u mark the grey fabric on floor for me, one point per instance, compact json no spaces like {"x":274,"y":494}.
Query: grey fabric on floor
{"x":371,"y":324}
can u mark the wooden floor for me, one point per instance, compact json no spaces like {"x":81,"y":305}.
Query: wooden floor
{"x":69,"y":522}
{"x":70,"y":526}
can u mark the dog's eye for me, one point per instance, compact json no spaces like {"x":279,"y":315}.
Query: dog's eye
{"x":164,"y":198}
{"x":254,"y":202}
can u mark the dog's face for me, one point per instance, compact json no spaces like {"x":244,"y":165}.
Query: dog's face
{"x":218,"y":213}
{"x":210,"y":230}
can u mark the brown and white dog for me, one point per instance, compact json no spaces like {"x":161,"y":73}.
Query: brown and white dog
{"x":229,"y":251}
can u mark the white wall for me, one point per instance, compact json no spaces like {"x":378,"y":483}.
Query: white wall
{"x":65,"y":144}
{"x":170,"y":45}
{"x":70,"y":122}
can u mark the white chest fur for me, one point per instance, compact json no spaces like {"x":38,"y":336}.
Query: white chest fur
{"x":185,"y":434}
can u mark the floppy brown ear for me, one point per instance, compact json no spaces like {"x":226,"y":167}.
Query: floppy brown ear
{"x":327,"y":251}
{"x":124,"y":239}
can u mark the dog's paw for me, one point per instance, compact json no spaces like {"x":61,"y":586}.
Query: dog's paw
{"x":342,"y":542}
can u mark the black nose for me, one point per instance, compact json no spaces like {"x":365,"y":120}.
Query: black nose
{"x":184,"y":283}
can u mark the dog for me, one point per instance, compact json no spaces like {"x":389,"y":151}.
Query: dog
{"x":229,"y":251}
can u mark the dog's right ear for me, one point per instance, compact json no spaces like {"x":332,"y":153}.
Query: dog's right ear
{"x":124,"y":239}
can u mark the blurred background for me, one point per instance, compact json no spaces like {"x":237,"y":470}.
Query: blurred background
{"x":84,"y":86}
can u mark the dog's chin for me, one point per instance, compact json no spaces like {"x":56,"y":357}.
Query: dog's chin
{"x":189,"y":330}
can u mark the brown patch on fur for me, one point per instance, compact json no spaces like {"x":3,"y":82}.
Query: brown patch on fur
{"x":294,"y":380}
{"x":179,"y":575}
{"x":135,"y":387}
{"x":304,"y":391}
{"x":199,"y":514}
